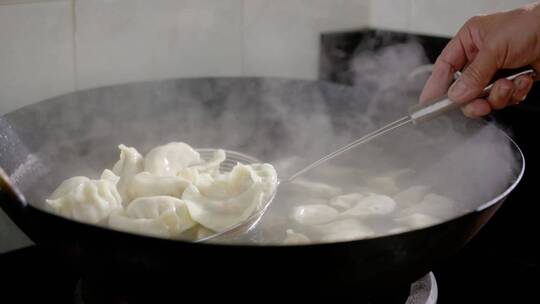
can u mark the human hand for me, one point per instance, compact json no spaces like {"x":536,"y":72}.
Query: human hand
{"x":484,"y":45}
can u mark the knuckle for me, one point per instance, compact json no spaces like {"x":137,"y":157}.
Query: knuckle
{"x":474,"y":21}
{"x":473,"y":76}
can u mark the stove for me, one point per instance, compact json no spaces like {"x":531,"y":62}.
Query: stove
{"x":36,"y":274}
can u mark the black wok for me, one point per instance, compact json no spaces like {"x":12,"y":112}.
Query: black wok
{"x":74,"y":134}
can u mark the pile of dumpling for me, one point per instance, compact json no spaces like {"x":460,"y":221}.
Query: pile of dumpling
{"x":170,"y":193}
{"x":380,"y":207}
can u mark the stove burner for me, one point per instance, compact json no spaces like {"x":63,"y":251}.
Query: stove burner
{"x":423,"y":291}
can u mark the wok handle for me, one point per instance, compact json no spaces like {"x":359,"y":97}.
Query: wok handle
{"x":11,"y":193}
{"x":426,"y":111}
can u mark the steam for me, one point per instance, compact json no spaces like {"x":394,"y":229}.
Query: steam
{"x":288,"y":123}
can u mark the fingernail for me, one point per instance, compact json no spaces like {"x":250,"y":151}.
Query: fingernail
{"x":504,"y":92}
{"x":468,"y":110}
{"x":457,"y":89}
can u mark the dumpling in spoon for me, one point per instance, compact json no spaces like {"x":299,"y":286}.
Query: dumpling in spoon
{"x":162,"y":216}
{"x":148,"y":184}
{"x":130,"y":164}
{"x":228,"y":199}
{"x":169,"y":159}
{"x":211,"y":166}
{"x":86,"y":200}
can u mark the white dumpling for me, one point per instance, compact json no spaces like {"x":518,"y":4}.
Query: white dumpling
{"x":86,"y":200}
{"x":387,"y":183}
{"x":212,"y":165}
{"x":314,"y":189}
{"x":68,"y":185}
{"x":418,"y":220}
{"x":219,"y":214}
{"x":293,"y":238}
{"x":370,"y":205}
{"x":240,"y":179}
{"x":230,"y":198}
{"x":108,"y":175}
{"x":169,"y":159}
{"x":347,"y":201}
{"x":314,"y":214}
{"x":434,"y":205}
{"x":344,"y":230}
{"x":119,"y":220}
{"x":191,"y":174}
{"x":203,"y":232}
{"x":298,"y":200}
{"x":158,"y":213}
{"x":268,"y":176}
{"x":148,"y":184}
{"x":397,"y":230}
{"x":399,"y":174}
{"x":411,"y":195}
{"x":169,"y":210}
{"x":130,"y":164}
{"x":384,"y":185}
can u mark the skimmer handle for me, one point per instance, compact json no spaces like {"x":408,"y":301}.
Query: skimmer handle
{"x":423,"y":112}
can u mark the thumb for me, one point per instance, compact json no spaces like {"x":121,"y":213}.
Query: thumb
{"x":475,"y":77}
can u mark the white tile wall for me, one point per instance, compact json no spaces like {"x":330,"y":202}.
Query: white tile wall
{"x":446,"y":17}
{"x":335,"y":15}
{"x":390,"y":14}
{"x":281,"y":37}
{"x":130,"y":40}
{"x":440,"y":17}
{"x":36,"y":54}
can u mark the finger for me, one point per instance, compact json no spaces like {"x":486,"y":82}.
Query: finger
{"x":501,"y":94}
{"x":523,"y":85}
{"x":536,"y":67}
{"x":475,"y":77}
{"x":476,"y":108}
{"x":452,"y":59}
